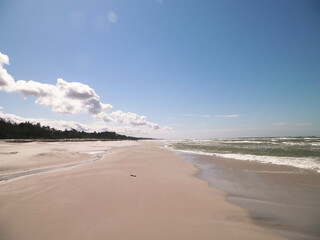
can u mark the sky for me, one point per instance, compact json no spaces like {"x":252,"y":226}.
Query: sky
{"x":163,"y":68}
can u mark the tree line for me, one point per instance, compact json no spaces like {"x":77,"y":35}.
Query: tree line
{"x":27,"y":130}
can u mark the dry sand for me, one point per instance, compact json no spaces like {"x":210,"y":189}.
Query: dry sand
{"x":18,"y":157}
{"x":101,"y":200}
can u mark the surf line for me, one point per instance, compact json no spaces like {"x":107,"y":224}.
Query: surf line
{"x":12,"y":176}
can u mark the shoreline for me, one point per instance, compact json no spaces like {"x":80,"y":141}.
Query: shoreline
{"x":252,"y":158}
{"x":274,"y":195}
{"x":103,"y":200}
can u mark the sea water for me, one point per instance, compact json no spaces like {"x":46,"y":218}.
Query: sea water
{"x":301,"y":152}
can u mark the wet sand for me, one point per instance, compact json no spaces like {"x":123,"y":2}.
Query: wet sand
{"x":101,"y":200}
{"x":284,"y":199}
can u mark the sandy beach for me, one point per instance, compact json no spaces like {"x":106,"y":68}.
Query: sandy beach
{"x":101,"y":200}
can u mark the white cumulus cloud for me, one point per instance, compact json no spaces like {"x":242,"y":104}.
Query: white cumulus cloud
{"x":64,"y":97}
{"x":69,"y":98}
{"x":5,"y":79}
{"x":132,"y":119}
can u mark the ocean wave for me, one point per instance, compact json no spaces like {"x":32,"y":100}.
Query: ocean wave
{"x":295,"y":143}
{"x":301,"y":152}
{"x":304,"y":163}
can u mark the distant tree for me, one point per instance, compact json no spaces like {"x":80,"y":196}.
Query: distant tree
{"x":28,"y":130}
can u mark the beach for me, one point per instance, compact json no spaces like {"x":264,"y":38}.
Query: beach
{"x":282,"y":198}
{"x":134,"y":190}
{"x":276,"y":179}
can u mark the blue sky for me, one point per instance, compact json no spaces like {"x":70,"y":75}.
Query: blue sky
{"x":176,"y":69}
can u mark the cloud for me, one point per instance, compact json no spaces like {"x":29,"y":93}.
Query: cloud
{"x":112,"y":17}
{"x":4,"y":59}
{"x":228,"y":116}
{"x":57,"y":124}
{"x":103,"y":116}
{"x":133,"y":119}
{"x":69,"y":98}
{"x":206,"y":116}
{"x":64,"y":97}
{"x":5,"y":78}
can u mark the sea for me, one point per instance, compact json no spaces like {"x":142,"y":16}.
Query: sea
{"x":301,"y":152}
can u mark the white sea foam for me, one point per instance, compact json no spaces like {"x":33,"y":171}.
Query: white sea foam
{"x":295,"y":143}
{"x":304,"y":163}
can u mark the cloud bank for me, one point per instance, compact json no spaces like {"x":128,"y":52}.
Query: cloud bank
{"x":69,"y":98}
{"x":57,"y":124}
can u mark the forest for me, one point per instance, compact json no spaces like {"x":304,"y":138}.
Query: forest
{"x":27,"y":130}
